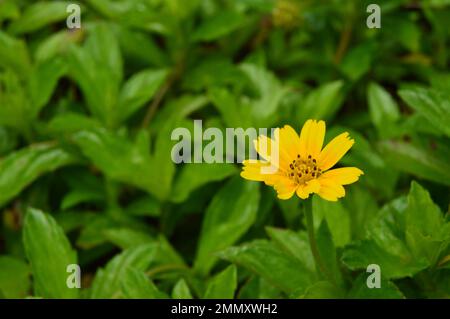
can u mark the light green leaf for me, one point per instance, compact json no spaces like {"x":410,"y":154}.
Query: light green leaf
{"x":14,"y":54}
{"x":107,"y":281}
{"x":321,"y":103}
{"x":433,"y":104}
{"x":181,"y":290}
{"x":128,"y":238}
{"x":360,"y":290}
{"x":49,"y":252}
{"x":358,"y":61}
{"x":270,"y":93}
{"x":417,"y":160}
{"x":421,"y":212}
{"x":138,"y":90}
{"x":70,"y":122}
{"x":233,"y":114}
{"x":97,"y":69}
{"x":383,"y":108}
{"x":218,"y":26}
{"x":328,"y":255}
{"x":337,"y":217}
{"x":21,"y":168}
{"x":295,"y":244}
{"x":130,"y":163}
{"x":322,"y":290}
{"x":43,"y":81}
{"x":265,"y":259}
{"x":359,"y":255}
{"x":193,"y":176}
{"x":423,"y":221}
{"x":229,"y":215}
{"x":39,"y":15}
{"x":56,"y":44}
{"x":136,"y":285}
{"x":14,"y":277}
{"x":223,"y":285}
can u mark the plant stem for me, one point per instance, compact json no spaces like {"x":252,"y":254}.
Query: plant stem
{"x":313,"y":241}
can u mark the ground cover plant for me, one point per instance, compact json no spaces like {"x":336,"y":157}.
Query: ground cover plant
{"x":88,"y":185}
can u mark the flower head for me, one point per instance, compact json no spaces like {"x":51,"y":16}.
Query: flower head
{"x":301,"y":165}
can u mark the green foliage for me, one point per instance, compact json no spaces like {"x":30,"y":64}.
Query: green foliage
{"x":86,"y":122}
{"x":49,"y":253}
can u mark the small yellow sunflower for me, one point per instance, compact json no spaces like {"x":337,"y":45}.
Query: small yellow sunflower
{"x":302,"y":166}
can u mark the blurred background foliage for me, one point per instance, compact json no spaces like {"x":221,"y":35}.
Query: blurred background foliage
{"x":86,"y":175}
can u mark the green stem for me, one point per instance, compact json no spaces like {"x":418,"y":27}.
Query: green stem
{"x":313,"y":242}
{"x":113,"y":207}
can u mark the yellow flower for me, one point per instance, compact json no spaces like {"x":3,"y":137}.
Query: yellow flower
{"x":301,"y":165}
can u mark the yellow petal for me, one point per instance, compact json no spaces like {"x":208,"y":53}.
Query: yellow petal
{"x":254,"y":170}
{"x":334,"y":151}
{"x":330,"y":190}
{"x":343,"y":176}
{"x":302,"y":193}
{"x":290,"y":142}
{"x":313,"y":186}
{"x":311,"y":138}
{"x":263,"y":145}
{"x":285,"y":188}
{"x":279,"y":155}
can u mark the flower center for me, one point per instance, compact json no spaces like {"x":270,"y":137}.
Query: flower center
{"x":302,"y":170}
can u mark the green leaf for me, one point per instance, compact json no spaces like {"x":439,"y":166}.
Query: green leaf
{"x":136,"y":285}
{"x":127,"y":238}
{"x":97,"y":69}
{"x":21,"y":168}
{"x":421,"y":212}
{"x":138,"y":90}
{"x":229,"y":215}
{"x":43,"y":81}
{"x":363,"y":207}
{"x":144,"y":206}
{"x":49,"y":252}
{"x":322,"y":290}
{"x":327,"y":253}
{"x":360,"y":290}
{"x":80,"y":196}
{"x":14,"y":54}
{"x":419,"y":160}
{"x":358,"y":61}
{"x":56,"y":44}
{"x":181,"y":290}
{"x":423,"y":221}
{"x":433,"y":104}
{"x":223,"y":285}
{"x":295,"y":244}
{"x":39,"y":15}
{"x":337,"y":217}
{"x":14,"y":277}
{"x":321,"y":103}
{"x":70,"y":122}
{"x":383,"y":108}
{"x":130,"y":163}
{"x":139,"y":46}
{"x":193,"y":176}
{"x":233,"y":114}
{"x":270,"y":93}
{"x":359,"y":255}
{"x":386,"y":245}
{"x":265,"y":259}
{"x":107,"y":281}
{"x":218,"y":26}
